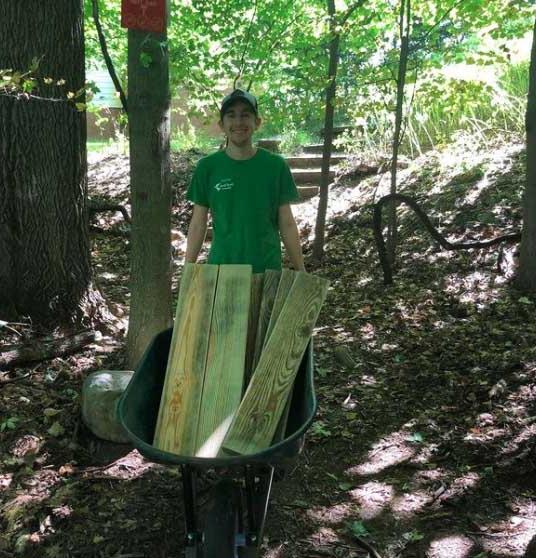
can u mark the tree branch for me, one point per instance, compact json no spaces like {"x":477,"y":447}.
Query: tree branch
{"x":106,"y":55}
{"x":351,"y":10}
{"x":436,"y":235}
{"x":246,"y":44}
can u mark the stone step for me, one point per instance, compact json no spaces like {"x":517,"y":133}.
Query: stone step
{"x":317,"y":148}
{"x":307,"y":192}
{"x":303,"y":176}
{"x":313,"y":160}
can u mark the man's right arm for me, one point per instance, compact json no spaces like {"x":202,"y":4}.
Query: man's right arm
{"x":196,"y":233}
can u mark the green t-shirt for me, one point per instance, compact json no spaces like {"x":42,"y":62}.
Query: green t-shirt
{"x":244,"y":198}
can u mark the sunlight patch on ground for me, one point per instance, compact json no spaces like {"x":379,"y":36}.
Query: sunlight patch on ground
{"x":373,"y":498}
{"x":323,"y":536}
{"x":473,"y":288}
{"x":130,"y":466}
{"x":506,"y":537}
{"x":5,"y":481}
{"x":407,"y":505}
{"x":332,"y":515}
{"x":476,"y":190}
{"x":460,"y":486}
{"x":278,"y":552}
{"x":392,"y":450}
{"x":425,"y":455}
{"x":452,"y":546}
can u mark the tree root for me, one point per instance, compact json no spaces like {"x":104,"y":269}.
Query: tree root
{"x":436,"y":235}
{"x":97,"y":206}
{"x":45,"y":349}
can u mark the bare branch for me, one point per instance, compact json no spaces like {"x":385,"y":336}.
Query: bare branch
{"x":106,"y":55}
{"x":246,"y":44}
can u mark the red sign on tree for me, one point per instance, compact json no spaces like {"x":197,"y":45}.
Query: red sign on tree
{"x":145,"y":15}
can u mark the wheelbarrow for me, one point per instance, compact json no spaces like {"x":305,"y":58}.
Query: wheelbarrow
{"x":233,"y":524}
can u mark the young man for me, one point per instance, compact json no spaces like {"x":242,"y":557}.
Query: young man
{"x":248,"y":191}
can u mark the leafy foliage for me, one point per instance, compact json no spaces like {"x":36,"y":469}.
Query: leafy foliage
{"x":279,"y":49}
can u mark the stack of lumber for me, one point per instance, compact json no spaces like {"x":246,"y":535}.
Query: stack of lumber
{"x":234,"y":329}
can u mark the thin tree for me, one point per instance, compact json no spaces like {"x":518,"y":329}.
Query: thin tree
{"x":149,"y":125}
{"x":335,"y":26}
{"x":405,"y":30}
{"x":45,"y":270}
{"x":526,"y":275}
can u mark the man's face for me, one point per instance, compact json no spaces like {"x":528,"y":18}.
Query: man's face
{"x":239,"y":122}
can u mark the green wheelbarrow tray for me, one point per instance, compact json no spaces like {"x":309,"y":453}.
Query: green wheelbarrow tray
{"x":138,"y":407}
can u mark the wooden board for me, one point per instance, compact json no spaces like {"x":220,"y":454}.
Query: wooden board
{"x":224,"y":372}
{"x":176,"y":427}
{"x":269,"y":290}
{"x":257,"y":280}
{"x":285,"y":284}
{"x":286,"y":280}
{"x":259,"y":413}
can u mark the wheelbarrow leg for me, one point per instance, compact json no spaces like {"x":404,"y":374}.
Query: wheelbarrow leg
{"x":257,"y":498}
{"x":193,"y":536}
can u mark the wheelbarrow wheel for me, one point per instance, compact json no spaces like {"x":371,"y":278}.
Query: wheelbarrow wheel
{"x":221,"y":522}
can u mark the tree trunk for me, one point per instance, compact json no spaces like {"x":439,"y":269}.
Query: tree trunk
{"x":149,"y":111}
{"x":320,"y":226}
{"x":526,"y":276}
{"x":44,"y":243}
{"x":392,"y":225}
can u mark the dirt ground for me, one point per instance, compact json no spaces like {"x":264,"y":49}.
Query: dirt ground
{"x":424,"y":441}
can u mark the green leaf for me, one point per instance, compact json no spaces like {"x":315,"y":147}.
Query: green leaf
{"x":413,"y":536}
{"x":358,"y":529}
{"x":9,"y":424}
{"x":524,"y":300}
{"x":56,"y":430}
{"x":416,"y":437}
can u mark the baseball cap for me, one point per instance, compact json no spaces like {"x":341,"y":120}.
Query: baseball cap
{"x":239,"y":95}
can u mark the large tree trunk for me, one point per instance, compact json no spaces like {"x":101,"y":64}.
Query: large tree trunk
{"x":526,"y":277}
{"x":148,"y":107}
{"x":44,"y":243}
{"x":320,"y":226}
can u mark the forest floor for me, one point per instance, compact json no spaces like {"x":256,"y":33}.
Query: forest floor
{"x":424,"y":442}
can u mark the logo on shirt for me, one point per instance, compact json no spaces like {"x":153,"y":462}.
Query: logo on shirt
{"x":225,"y":184}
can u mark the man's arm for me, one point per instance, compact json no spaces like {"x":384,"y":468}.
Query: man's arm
{"x":196,"y":233}
{"x":291,"y":237}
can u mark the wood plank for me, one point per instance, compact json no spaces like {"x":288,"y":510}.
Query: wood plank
{"x":224,"y":372}
{"x":176,"y":426}
{"x":285,"y":284}
{"x":257,"y":418}
{"x":286,"y":280}
{"x":269,"y":290}
{"x":257,"y":280}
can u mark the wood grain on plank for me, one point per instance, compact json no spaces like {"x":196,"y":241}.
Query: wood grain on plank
{"x":269,"y":290}
{"x":259,"y":413}
{"x":286,"y":280}
{"x":176,"y":426}
{"x":285,"y":284}
{"x":224,"y":372}
{"x":257,"y":280}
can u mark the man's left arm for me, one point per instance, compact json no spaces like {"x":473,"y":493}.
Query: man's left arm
{"x":290,"y":236}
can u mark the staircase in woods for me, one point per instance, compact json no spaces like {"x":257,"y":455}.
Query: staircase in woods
{"x":306,"y":167}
